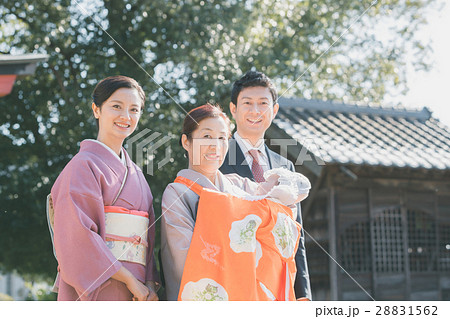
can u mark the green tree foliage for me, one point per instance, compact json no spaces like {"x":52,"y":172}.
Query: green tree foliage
{"x":184,"y":53}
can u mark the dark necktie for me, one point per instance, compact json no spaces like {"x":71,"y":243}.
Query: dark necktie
{"x":257,"y":170}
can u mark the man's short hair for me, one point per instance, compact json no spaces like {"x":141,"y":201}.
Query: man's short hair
{"x":253,"y":79}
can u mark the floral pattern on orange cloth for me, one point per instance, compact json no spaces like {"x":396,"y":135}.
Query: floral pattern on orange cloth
{"x":257,"y":241}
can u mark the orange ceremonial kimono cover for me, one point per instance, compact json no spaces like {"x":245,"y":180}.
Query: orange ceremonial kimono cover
{"x":241,"y":249}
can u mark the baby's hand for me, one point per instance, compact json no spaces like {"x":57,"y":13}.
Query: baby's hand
{"x":270,"y":183}
{"x":286,"y":186}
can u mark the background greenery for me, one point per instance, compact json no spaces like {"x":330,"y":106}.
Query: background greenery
{"x":183,"y":53}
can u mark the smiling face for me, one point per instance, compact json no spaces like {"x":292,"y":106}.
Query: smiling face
{"x":254,"y":112}
{"x":207,"y":146}
{"x":118,"y":117}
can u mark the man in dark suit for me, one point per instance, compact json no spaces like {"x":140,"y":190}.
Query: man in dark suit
{"x":253,"y":106}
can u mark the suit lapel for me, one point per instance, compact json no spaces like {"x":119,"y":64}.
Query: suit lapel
{"x":236,"y":163}
{"x":236,"y":160}
{"x":275,"y":159}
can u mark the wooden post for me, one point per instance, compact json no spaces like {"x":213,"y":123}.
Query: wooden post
{"x":404,"y":215}
{"x":332,"y":239}
{"x":372,"y":243}
{"x":438,"y":240}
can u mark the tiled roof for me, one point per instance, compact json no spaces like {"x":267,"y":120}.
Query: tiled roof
{"x":22,"y":58}
{"x":366,"y":135}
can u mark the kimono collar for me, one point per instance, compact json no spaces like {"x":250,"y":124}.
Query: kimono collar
{"x":106,"y":155}
{"x":122,"y":153}
{"x":201,"y":179}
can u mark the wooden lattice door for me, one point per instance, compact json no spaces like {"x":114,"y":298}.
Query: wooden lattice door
{"x":389,"y":251}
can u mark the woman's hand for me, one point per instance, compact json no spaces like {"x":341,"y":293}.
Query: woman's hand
{"x":138,"y":289}
{"x":152,"y":296}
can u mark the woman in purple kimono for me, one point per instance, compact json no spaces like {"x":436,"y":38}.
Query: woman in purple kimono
{"x":103,"y":215}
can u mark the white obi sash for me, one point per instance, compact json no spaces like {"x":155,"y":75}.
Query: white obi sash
{"x":126,"y":233}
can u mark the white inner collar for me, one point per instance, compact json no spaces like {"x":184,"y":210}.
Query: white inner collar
{"x":121,"y":157}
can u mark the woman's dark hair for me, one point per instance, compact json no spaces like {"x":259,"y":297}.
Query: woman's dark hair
{"x":195,"y":116}
{"x":253,"y":79}
{"x":106,"y":87}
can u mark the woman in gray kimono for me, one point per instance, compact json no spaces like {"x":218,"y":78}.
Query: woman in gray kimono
{"x":205,"y":135}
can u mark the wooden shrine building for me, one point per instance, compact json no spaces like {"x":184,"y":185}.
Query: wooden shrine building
{"x":377,"y":219}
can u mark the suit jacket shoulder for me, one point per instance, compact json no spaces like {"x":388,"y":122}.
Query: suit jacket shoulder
{"x":276,"y":160}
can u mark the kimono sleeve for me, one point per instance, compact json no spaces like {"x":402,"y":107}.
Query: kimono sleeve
{"x":84,"y":259}
{"x":177,"y":227}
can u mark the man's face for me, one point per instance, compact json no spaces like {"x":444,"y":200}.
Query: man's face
{"x":254,"y":112}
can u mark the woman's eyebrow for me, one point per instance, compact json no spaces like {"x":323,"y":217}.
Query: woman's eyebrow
{"x":118,"y":101}
{"x":210,"y":129}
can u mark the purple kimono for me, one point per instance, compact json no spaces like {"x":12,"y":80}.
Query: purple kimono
{"x":90,"y":181}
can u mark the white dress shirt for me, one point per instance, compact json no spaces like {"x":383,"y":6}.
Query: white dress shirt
{"x":246,"y":146}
